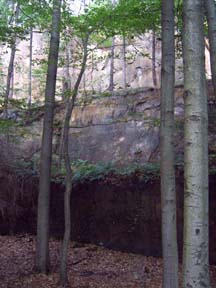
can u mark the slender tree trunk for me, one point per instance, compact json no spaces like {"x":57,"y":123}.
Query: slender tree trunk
{"x":112,"y":56}
{"x":168,"y":193}
{"x":195,"y":252}
{"x":42,"y":245}
{"x":112,"y":52}
{"x":11,"y":67}
{"x":92,"y":70}
{"x":154,"y":74}
{"x":66,"y":98}
{"x":67,"y":211}
{"x":67,"y":76}
{"x":30,"y":69}
{"x":124,"y":64}
{"x":84,"y":83}
{"x":12,"y":85}
{"x":210,"y":8}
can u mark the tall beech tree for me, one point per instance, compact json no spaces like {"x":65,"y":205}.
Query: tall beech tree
{"x":210,"y":8}
{"x":42,"y":245}
{"x":168,"y":194}
{"x":195,"y":252}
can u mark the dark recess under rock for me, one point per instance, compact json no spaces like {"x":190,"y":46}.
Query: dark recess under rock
{"x":119,"y":213}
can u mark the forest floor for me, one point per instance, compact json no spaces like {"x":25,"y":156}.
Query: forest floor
{"x":90,"y":266}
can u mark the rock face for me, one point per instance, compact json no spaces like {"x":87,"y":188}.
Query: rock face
{"x":121,"y":128}
{"x":122,"y":213}
{"x":126,"y":215}
{"x":96,"y":78}
{"x":124,"y":127}
{"x":116,"y":212}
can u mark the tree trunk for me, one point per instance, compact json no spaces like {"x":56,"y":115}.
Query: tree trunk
{"x":168,"y":194}
{"x":11,"y":67}
{"x":84,"y":84}
{"x":30,"y":69}
{"x":210,"y":8}
{"x":154,"y":74}
{"x":195,"y":252}
{"x":66,"y":98}
{"x":92,"y":71}
{"x":112,"y":52}
{"x":67,"y":211}
{"x":12,"y":84}
{"x":124,"y":64}
{"x":42,"y":245}
{"x":67,"y":76}
{"x":112,"y":55}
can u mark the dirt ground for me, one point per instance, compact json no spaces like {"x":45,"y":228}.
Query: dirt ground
{"x":89,"y":266}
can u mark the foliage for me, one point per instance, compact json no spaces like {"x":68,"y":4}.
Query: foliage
{"x":32,"y":14}
{"x":147,"y":172}
{"x":133,"y":17}
{"x":83,"y":171}
{"x":6,"y":125}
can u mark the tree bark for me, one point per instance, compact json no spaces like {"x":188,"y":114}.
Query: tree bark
{"x":92,"y":71}
{"x":30,"y":68}
{"x":124,"y":64}
{"x":11,"y":66}
{"x":112,"y":53}
{"x":66,"y":98}
{"x":154,"y":74}
{"x":168,"y":193}
{"x":210,"y":8}
{"x":67,"y":77}
{"x":195,"y":252}
{"x":12,"y":84}
{"x":42,"y":245}
{"x":67,"y":210}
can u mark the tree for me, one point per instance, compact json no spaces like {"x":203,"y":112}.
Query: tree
{"x":112,"y":57}
{"x":83,"y":27}
{"x":210,"y":8}
{"x":154,"y":74}
{"x":42,"y":245}
{"x":30,"y":67}
{"x":11,"y":63}
{"x":18,"y":18}
{"x":195,"y":252}
{"x":69,"y":174}
{"x":111,"y":73}
{"x":168,"y":194}
{"x":131,"y":18}
{"x":124,"y":63}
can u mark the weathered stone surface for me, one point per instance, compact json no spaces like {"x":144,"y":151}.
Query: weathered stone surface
{"x":121,"y":128}
{"x":96,"y":78}
{"x":124,"y":127}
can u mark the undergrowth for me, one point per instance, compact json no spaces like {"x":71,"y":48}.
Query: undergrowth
{"x":86,"y":171}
